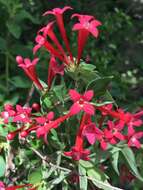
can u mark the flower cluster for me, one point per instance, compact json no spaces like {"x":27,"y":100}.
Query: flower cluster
{"x":101,"y":124}
{"x":85,"y":26}
{"x":113,"y":126}
{"x":122,"y":127}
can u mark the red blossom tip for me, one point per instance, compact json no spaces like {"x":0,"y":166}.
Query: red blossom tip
{"x":24,"y":134}
{"x":10,"y":136}
{"x":56,"y":11}
{"x":19,"y":59}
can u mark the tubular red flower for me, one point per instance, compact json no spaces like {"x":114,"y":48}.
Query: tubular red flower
{"x":29,"y":68}
{"x":48,"y":30}
{"x":53,"y":70}
{"x":81,"y":102}
{"x":59,"y":18}
{"x":41,"y":41}
{"x":78,"y":152}
{"x":17,"y":187}
{"x":87,"y":24}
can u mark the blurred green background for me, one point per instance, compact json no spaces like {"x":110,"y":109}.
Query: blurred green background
{"x":118,"y":51}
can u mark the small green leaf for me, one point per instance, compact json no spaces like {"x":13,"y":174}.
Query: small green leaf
{"x":99,"y":179}
{"x":35,"y":177}
{"x":100,"y":84}
{"x":60,"y":92}
{"x":97,"y":174}
{"x":115,"y":157}
{"x":20,"y":82}
{"x":82,"y":177}
{"x":47,"y":102}
{"x":130,"y":158}
{"x":2,"y":166}
{"x":23,"y":14}
{"x":62,"y":175}
{"x":86,"y":164}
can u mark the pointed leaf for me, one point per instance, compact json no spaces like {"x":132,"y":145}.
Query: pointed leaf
{"x":82,"y":178}
{"x":2,"y":166}
{"x":130,"y":158}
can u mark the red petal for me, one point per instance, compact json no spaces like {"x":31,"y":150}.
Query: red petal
{"x":77,"y":26}
{"x":88,"y":108}
{"x":103,"y":145}
{"x":50,"y":116}
{"x":88,"y":95}
{"x":75,"y":108}
{"x":74,"y":95}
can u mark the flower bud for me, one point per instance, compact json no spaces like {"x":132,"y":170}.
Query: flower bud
{"x":23,"y":134}
{"x":36,"y":107}
{"x":19,"y":59}
{"x":11,"y":136}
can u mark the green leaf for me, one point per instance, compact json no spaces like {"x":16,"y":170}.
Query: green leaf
{"x":97,"y":174}
{"x":85,"y":66}
{"x":103,"y":185}
{"x":57,"y":180}
{"x":20,"y":82}
{"x":47,"y":102}
{"x":99,"y":179}
{"x":23,"y":14}
{"x":14,"y":29}
{"x":87,"y":73}
{"x":2,"y":166}
{"x":60,"y":92}
{"x":100,"y":84}
{"x":86,"y":164}
{"x":35,"y":177}
{"x":114,"y":161}
{"x":82,"y":177}
{"x":130,"y":158}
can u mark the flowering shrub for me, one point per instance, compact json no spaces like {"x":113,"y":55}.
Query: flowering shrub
{"x":70,"y":137}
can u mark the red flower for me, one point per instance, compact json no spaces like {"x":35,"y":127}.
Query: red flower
{"x":89,"y":132}
{"x":41,"y":41}
{"x":48,"y":30}
{"x":81,"y":102}
{"x":133,"y":140}
{"x":22,"y":115}
{"x":114,"y":132}
{"x":53,"y":70}
{"x":43,"y":130}
{"x":107,"y":108}
{"x":29,"y":69}
{"x":59,"y":18}
{"x":7,"y":113}
{"x":87,"y":24}
{"x":42,"y":120}
{"x":78,"y":152}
